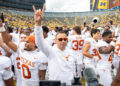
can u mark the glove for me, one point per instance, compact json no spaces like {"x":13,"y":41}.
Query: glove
{"x":96,"y":59}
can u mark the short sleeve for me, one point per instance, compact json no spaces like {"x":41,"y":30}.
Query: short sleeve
{"x":43,"y":66}
{"x":7,"y":74}
{"x":43,"y":61}
{"x":5,"y":67}
{"x":5,"y":62}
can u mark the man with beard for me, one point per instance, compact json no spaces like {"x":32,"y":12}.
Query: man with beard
{"x":32,"y":63}
{"x":106,"y":48}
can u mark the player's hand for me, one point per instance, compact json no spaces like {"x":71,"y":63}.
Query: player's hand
{"x":38,"y":15}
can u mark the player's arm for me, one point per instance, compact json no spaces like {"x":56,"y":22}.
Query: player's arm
{"x":9,"y":82}
{"x":7,"y":38}
{"x":40,"y":42}
{"x":8,"y":76}
{"x":42,"y":74}
{"x":116,"y":81}
{"x":42,"y":70}
{"x":106,"y":50}
{"x":85,"y":50}
{"x":3,"y":45}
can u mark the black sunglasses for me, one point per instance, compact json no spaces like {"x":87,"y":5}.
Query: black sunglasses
{"x":61,"y":39}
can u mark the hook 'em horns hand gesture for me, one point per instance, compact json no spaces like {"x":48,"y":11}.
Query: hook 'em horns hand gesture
{"x":38,"y":15}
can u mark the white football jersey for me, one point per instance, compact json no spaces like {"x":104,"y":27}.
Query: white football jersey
{"x":76,"y":43}
{"x":117,"y":49}
{"x":105,"y":61}
{"x":31,"y":62}
{"x":116,"y":58}
{"x":17,"y":67}
{"x":5,"y":70}
{"x":15,"y":57}
{"x":93,"y":51}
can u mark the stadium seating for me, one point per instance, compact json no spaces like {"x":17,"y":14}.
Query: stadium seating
{"x":54,"y":19}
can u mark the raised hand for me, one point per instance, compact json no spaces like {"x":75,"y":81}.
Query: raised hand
{"x":38,"y":15}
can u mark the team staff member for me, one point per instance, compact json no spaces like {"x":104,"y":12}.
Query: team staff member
{"x":61,"y":62}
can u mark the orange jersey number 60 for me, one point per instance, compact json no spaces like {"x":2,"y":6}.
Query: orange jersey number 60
{"x":18,"y":63}
{"x":28,"y":75}
{"x":77,"y":44}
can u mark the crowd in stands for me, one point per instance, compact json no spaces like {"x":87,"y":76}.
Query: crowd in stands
{"x":19,"y":20}
{"x":43,"y":49}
